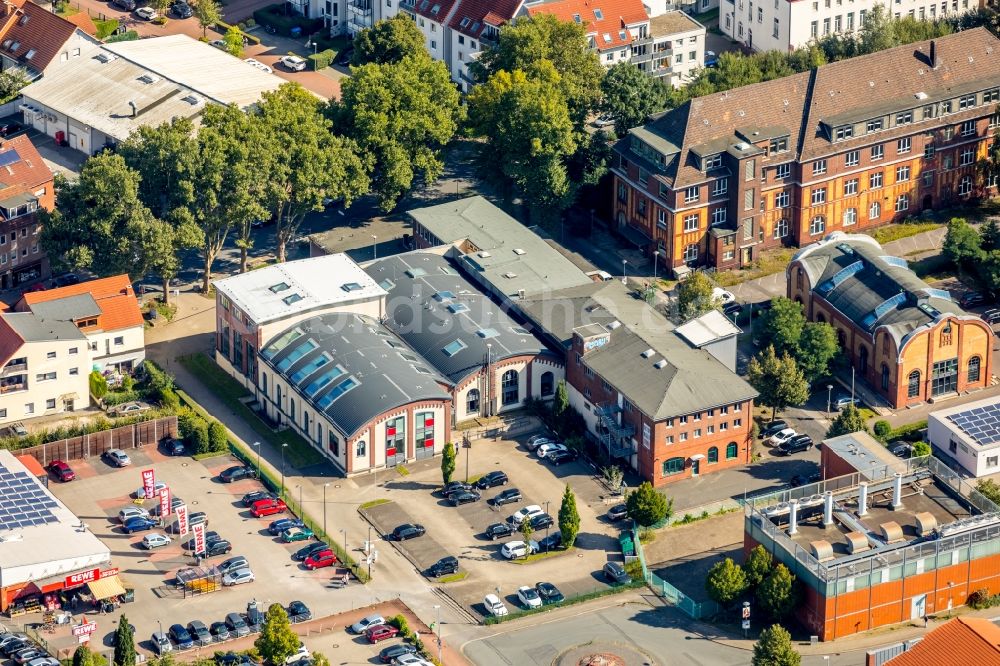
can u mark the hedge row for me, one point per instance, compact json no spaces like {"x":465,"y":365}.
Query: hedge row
{"x":323,"y":59}
{"x":224,"y":28}
{"x":274,"y":16}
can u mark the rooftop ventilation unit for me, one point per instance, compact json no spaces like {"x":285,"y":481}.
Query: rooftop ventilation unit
{"x":891,"y":532}
{"x":509,"y":275}
{"x":193,"y":99}
{"x":149,"y":78}
{"x":925,"y":523}
{"x":518,"y":251}
{"x":106,"y":57}
{"x":613,"y":325}
{"x":484,"y":255}
{"x":821,"y":550}
{"x":856,"y":542}
{"x":921,"y":95}
{"x":659,"y":365}
{"x":648,"y":353}
{"x":742,"y":146}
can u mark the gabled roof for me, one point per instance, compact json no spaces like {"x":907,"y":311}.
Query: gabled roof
{"x":959,"y":642}
{"x":472,"y":16}
{"x":22,"y":165}
{"x":606,"y":20}
{"x":83,"y":21}
{"x":114,"y":297}
{"x":435,"y":10}
{"x":37,"y":31}
{"x":891,"y":80}
{"x":10,"y":340}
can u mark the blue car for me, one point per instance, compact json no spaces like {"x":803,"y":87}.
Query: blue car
{"x":181,"y":637}
{"x":139,"y":524}
{"x":278,"y":526}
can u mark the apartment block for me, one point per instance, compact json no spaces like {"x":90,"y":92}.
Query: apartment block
{"x":782,"y":163}
{"x":26,"y":185}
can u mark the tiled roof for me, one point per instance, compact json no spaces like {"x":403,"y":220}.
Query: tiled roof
{"x":435,"y":10}
{"x":114,"y":295}
{"x":961,"y":641}
{"x":28,"y":170}
{"x":890,"y":79}
{"x":606,"y":20}
{"x":10,"y":341}
{"x":83,"y":21}
{"x":39,"y":32}
{"x":472,"y":16}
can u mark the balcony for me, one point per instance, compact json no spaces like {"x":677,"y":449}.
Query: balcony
{"x":14,"y":367}
{"x":360,"y":7}
{"x":617,"y":438}
{"x":13,"y":388}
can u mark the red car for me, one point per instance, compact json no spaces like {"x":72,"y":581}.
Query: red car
{"x":324,"y":558}
{"x":267,"y":507}
{"x":62,"y":471}
{"x":381,"y":633}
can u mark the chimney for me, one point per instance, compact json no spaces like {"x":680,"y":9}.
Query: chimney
{"x":793,"y":517}
{"x":827,"y":509}
{"x":862,"y":499}
{"x":132,"y":104}
{"x":897,"y":490}
{"x":934,"y":55}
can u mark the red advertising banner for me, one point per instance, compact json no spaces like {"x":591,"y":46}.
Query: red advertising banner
{"x":164,"y":503}
{"x":182,"y":520}
{"x":199,"y":538}
{"x":108,"y":573}
{"x":149,"y":482}
{"x":83,"y":577}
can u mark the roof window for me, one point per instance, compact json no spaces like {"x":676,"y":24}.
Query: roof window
{"x":453,"y":348}
{"x":30,"y":54}
{"x":518,"y":251}
{"x":15,"y":46}
{"x":487,"y":333}
{"x":338,"y":390}
{"x":351,"y":286}
{"x":485,"y":255}
{"x":455,"y":308}
{"x":292,"y":298}
{"x":607,"y":37}
{"x":281,"y":286}
{"x":648,"y":353}
{"x":598,"y":14}
{"x":416,"y":272}
{"x":443,"y":296}
{"x":576,"y":18}
{"x":435,"y":9}
{"x":464,"y":22}
{"x":509,"y":275}
{"x":6,"y":43}
{"x":659,"y":365}
{"x":388,"y":285}
{"x":24,"y":19}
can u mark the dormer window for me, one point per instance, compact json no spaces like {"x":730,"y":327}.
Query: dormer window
{"x":844,"y":132}
{"x":598,"y":15}
{"x":712,"y":162}
{"x":777,"y":145}
{"x":576,"y":18}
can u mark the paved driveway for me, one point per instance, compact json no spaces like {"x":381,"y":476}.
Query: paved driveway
{"x":421,"y":551}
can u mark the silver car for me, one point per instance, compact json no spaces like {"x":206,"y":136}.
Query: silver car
{"x":238,"y":577}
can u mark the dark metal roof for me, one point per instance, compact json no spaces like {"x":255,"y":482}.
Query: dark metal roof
{"x":444,"y":317}
{"x":351,"y":368}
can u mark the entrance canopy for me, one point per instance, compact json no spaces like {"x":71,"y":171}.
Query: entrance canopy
{"x":105,"y":588}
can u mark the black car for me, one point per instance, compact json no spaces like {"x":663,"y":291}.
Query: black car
{"x":549,"y":593}
{"x":199,"y":632}
{"x":173,"y":447}
{"x":551,"y":542}
{"x":392,"y":652}
{"x":732,"y":310}
{"x":257,"y":495}
{"x":508,"y":496}
{"x":6,"y":129}
{"x":444,"y":566}
{"x":972,"y":298}
{"x":127,"y":5}
{"x":181,"y":637}
{"x":299,"y":612}
{"x":217,"y":548}
{"x":542,"y":521}
{"x":254,"y":616}
{"x":15,"y":646}
{"x":900,"y":449}
{"x":495,"y":478}
{"x":408,"y":531}
{"x":66,"y":279}
{"x":233,"y":659}
{"x":174,"y":503}
{"x":182,"y":10}
{"x":237,"y":472}
{"x":455,"y":487}
{"x":772,"y":428}
{"x":557,"y":458}
{"x":618,"y":512}
{"x":801,"y":480}
{"x":345,"y":56}
{"x":463,"y":497}
{"x":794,"y":445}
{"x":498,"y":531}
{"x":210,"y":537}
{"x":219,"y":631}
{"x":304,"y":552}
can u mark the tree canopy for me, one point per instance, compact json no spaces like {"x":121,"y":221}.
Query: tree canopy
{"x":390,"y":40}
{"x":777,"y":593}
{"x":779,"y":380}
{"x":569,"y":518}
{"x":277,"y":641}
{"x":849,"y":420}
{"x":725,"y":582}
{"x":124,"y":643}
{"x":648,"y":506}
{"x":629,"y":95}
{"x":695,"y":296}
{"x":774,"y":648}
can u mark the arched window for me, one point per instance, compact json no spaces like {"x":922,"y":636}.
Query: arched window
{"x":798,"y":277}
{"x":472,"y":401}
{"x":885,"y":377}
{"x":974,"y":363}
{"x":713,"y":455}
{"x":841,"y":338}
{"x":821,"y":318}
{"x":291,"y":409}
{"x":863,"y":361}
{"x":548,"y":383}
{"x":913,"y":384}
{"x":673,"y":466}
{"x":510,"y":395}
{"x":732,"y":450}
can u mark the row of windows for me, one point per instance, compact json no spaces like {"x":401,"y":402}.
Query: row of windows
{"x":673,"y":466}
{"x":928,"y":111}
{"x":698,"y":416}
{"x":695,"y":433}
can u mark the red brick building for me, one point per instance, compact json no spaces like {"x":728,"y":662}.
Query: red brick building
{"x":846,"y":146}
{"x":25,"y":186}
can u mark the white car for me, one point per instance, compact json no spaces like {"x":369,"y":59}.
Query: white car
{"x":528,"y":596}
{"x":783,"y":436}
{"x":146,"y":13}
{"x":722,"y":296}
{"x":537,"y":440}
{"x":545,"y":449}
{"x":238,"y":577}
{"x":494,"y":606}
{"x":132,"y":512}
{"x":158,"y":487}
{"x":528,"y":512}
{"x":300,"y":654}
{"x":362,"y":625}
{"x":43,"y":661}
{"x":604,"y":121}
{"x":293,"y":62}
{"x":259,"y":65}
{"x":514,"y":549}
{"x":218,"y":43}
{"x":154,"y":540}
{"x":411,"y":660}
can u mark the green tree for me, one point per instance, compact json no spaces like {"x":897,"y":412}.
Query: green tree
{"x":401,"y":115}
{"x":629,"y":95}
{"x":695,"y":296}
{"x":124,"y":643}
{"x":989,"y":236}
{"x":882,"y":430}
{"x":569,"y":518}
{"x":526,"y":530}
{"x":776,"y":595}
{"x":84,"y":656}
{"x":961,"y":243}
{"x":208,"y":14}
{"x":774,"y":648}
{"x":165,"y":157}
{"x":647,"y":506}
{"x":320,"y":659}
{"x":849,"y":420}
{"x":310,"y":164}
{"x":725,"y":583}
{"x":561,"y":402}
{"x":390,"y":40}
{"x":778,"y":380}
{"x":734,"y":70}
{"x":990,"y":489}
{"x":757,"y":566}
{"x":161,"y":6}
{"x":234,"y":41}
{"x":448,"y":462}
{"x":12,"y":80}
{"x":782,"y":325}
{"x":921,"y":449}
{"x":218,"y":439}
{"x":277,"y":641}
{"x":817,"y":347}
{"x":98,"y":384}
{"x":878,"y":31}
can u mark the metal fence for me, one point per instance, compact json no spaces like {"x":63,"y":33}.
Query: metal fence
{"x":669,"y":593}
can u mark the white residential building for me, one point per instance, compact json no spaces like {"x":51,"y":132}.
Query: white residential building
{"x":968,"y":435}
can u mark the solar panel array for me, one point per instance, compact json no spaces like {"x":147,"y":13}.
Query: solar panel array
{"x":9,"y":157}
{"x":981,"y":423}
{"x":23,"y":501}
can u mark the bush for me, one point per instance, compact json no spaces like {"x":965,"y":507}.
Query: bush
{"x":910,"y":432}
{"x":322,"y":60}
{"x":98,"y":385}
{"x":882,"y":430}
{"x":119,"y":397}
{"x":634,"y":570}
{"x":982,"y":599}
{"x":198,"y":441}
{"x":275,"y":16}
{"x":400,"y":623}
{"x":218,"y":440}
{"x":224,"y":28}
{"x":129,"y":36}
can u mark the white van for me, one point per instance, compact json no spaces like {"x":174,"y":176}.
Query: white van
{"x":494,"y":606}
{"x":161,"y":643}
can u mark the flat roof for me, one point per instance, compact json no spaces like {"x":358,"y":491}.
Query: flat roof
{"x":165,"y":77}
{"x":864,"y":453}
{"x":672,"y":23}
{"x":282,"y":290}
{"x":708,"y":328}
{"x":33,"y":328}
{"x":975,"y":423}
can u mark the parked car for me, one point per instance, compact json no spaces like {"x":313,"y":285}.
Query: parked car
{"x":380,"y":632}
{"x":528,"y":596}
{"x":492,"y":479}
{"x":181,"y":10}
{"x":199,"y":632}
{"x":494,"y":606}
{"x":971,"y":299}
{"x":711,"y":60}
{"x":29,"y":654}
{"x":294,"y":534}
{"x":498,"y":531}
{"x":320,"y":560}
{"x":181,"y":637}
{"x":219,"y":631}
{"x":537,"y":440}
{"x":197,"y":518}
{"x":540,"y":522}
{"x":238,"y":577}
{"x":302,"y":553}
{"x":256,"y":496}
{"x":722,"y":296}
{"x":161,"y":643}
{"x":550,"y":542}
{"x":549,"y":593}
{"x":557,"y":458}
{"x":407,"y":531}
{"x":302,"y":654}
{"x":155,"y":540}
{"x":507,"y":496}
{"x":237,"y":626}
{"x":515,"y":549}
{"x":772,"y":428}
{"x":218,"y":43}
{"x":900,"y":449}
{"x":236,"y":473}
{"x":549,"y":447}
{"x":276,"y":527}
{"x":604,"y":120}
{"x":127,"y":5}
{"x":259,"y":65}
{"x":216,"y":548}
{"x":293,"y":62}
{"x":62,"y":471}
{"x":233,"y":564}
{"x":254,"y":616}
{"x":842,"y":401}
{"x":618,"y":512}
{"x":129,"y":408}
{"x":15,"y":644}
{"x":345,"y":56}
{"x":528,"y":512}
{"x":116,"y":458}
{"x":615,"y":573}
{"x":794,"y":445}
{"x":44,"y":661}
{"x":210,"y":537}
{"x":7,"y":129}
{"x":267,"y":507}
{"x":174,"y":503}
{"x":158,"y":487}
{"x":362,"y":625}
{"x":174,"y":447}
{"x":132,"y":512}
{"x":390,"y":654}
{"x":455,"y":487}
{"x":138,"y":524}
{"x":783,"y":436}
{"x":66,"y":279}
{"x":443,"y":567}
{"x":464,"y":497}
{"x":146,"y":13}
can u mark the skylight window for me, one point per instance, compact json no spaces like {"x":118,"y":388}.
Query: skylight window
{"x":351,"y":286}
{"x":598,"y":14}
{"x":317,"y":385}
{"x":388,"y":285}
{"x":443,"y":296}
{"x":455,"y":308}
{"x":453,"y":348}
{"x":607,"y":36}
{"x":576,"y":17}
{"x":310,"y":367}
{"x":464,"y":22}
{"x":416,"y":272}
{"x":519,"y":330}
{"x":296,"y":354}
{"x":29,"y":55}
{"x":281,"y":286}
{"x":286,"y":339}
{"x":435,"y":9}
{"x":338,"y":390}
{"x":487,"y":333}
{"x":291,"y":298}
{"x":408,"y":357}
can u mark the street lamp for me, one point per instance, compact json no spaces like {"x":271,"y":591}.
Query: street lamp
{"x":344,"y":532}
{"x":624,"y":274}
{"x":299,"y":486}
{"x":374,"y":246}
{"x":284,"y":445}
{"x":256,"y":445}
{"x":546,"y":527}
{"x":325,"y":486}
{"x":438,"y":627}
{"x":829,"y":395}
{"x":656,"y":256}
